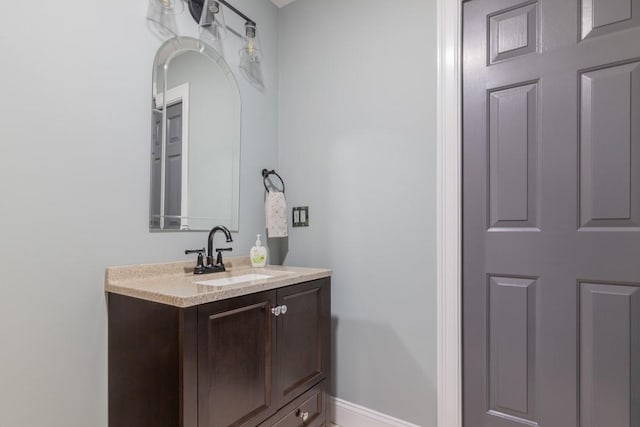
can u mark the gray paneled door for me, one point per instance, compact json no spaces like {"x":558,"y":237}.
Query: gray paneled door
{"x":156,"y":170}
{"x":551,"y":220}
{"x":173,"y":168}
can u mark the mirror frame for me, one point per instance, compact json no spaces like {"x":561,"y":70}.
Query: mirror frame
{"x":165,"y":54}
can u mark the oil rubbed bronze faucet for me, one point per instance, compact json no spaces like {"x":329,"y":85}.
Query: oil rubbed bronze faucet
{"x":211,"y":267}
{"x":219,"y":266}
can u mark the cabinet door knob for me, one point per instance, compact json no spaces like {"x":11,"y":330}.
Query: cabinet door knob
{"x":276,"y":311}
{"x":283,"y":309}
{"x":303,"y":415}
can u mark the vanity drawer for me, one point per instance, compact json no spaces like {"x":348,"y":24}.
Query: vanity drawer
{"x":309,"y":410}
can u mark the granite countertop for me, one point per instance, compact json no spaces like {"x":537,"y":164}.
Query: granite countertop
{"x":175,"y":284}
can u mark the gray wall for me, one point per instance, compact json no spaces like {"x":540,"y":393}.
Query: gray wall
{"x":74,"y":190}
{"x":357,"y":144}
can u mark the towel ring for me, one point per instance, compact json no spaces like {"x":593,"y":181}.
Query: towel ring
{"x":265,"y":175}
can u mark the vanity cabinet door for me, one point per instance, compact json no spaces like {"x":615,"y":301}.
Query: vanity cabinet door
{"x":236,"y":361}
{"x":303,"y":337}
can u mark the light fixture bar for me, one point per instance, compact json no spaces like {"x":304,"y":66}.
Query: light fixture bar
{"x":237,"y":12}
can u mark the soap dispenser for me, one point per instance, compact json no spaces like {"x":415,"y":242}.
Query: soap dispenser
{"x":258,"y":254}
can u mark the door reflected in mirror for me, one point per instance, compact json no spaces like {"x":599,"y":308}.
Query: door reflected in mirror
{"x":195,"y":139}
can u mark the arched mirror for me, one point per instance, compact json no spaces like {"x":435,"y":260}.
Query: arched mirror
{"x":195,"y":139}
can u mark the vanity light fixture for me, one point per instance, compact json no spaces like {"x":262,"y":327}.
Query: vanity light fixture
{"x":251,"y":57}
{"x":162,"y":16}
{"x":168,"y":7}
{"x":208,"y":13}
{"x":211,"y":23}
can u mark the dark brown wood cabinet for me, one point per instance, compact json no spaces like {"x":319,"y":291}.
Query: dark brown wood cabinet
{"x":260,"y":359}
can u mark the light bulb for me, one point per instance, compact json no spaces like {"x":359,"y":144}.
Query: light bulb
{"x":214,"y":7}
{"x":251,"y":47}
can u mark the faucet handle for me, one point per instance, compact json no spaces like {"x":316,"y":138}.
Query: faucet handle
{"x":219,"y":263}
{"x":199,"y":268}
{"x":194,"y":251}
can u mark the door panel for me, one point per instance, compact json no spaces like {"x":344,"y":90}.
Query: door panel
{"x":610,"y":147}
{"x":551,"y":207}
{"x":512,"y":346}
{"x":604,"y":16}
{"x":513,"y":32}
{"x":236,"y":361}
{"x":303,"y":337}
{"x":610,"y":357}
{"x":513,"y":156}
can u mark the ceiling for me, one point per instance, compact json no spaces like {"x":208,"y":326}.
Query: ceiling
{"x":282,"y":3}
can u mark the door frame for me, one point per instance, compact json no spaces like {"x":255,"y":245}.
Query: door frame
{"x":449,"y":213}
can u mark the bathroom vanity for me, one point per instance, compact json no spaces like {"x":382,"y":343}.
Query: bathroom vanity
{"x":247,"y":351}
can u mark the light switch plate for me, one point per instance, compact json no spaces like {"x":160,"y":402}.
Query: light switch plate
{"x":300,"y":216}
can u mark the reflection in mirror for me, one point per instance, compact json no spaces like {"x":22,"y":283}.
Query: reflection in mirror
{"x":195,"y":139}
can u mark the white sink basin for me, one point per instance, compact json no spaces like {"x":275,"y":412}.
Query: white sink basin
{"x":234,"y":280}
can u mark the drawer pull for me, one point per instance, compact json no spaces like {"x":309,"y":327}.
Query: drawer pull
{"x":303,"y":415}
{"x":283,"y":309}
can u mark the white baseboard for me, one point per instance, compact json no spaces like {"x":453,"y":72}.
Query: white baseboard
{"x":347,"y":414}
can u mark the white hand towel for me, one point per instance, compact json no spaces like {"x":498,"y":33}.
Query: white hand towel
{"x":276,"y":214}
